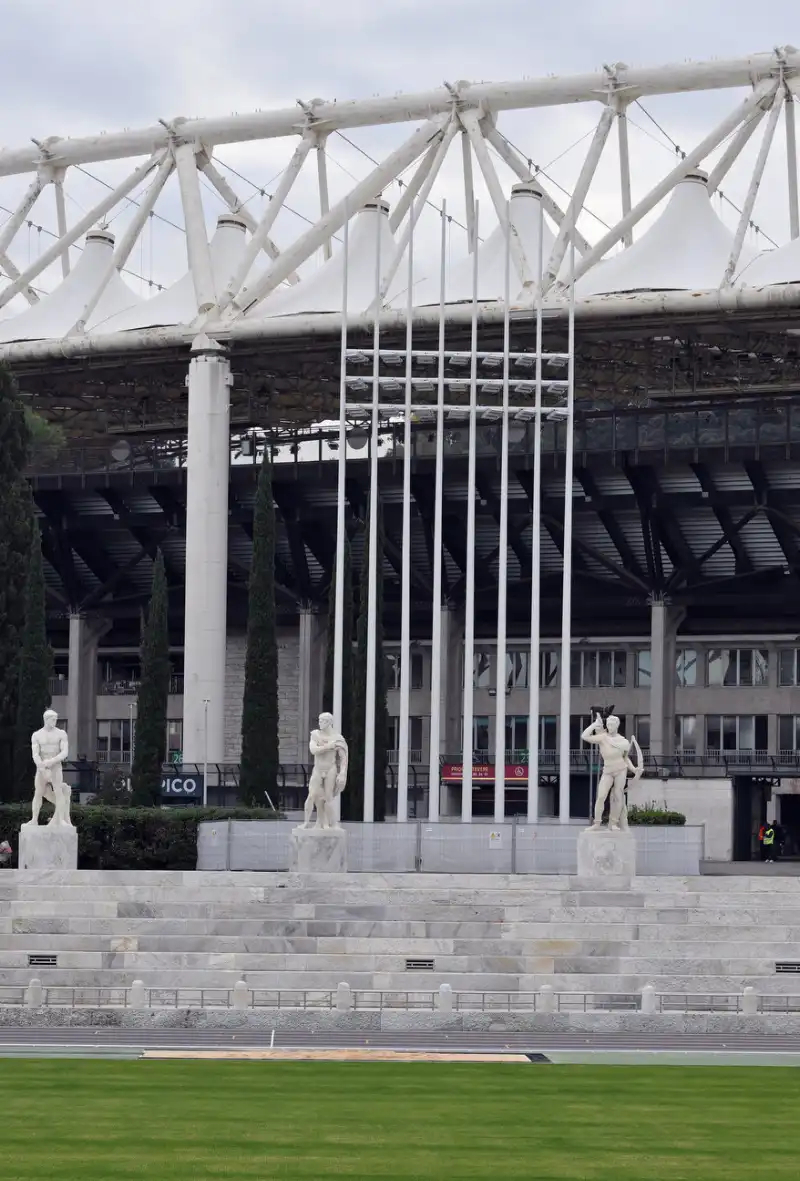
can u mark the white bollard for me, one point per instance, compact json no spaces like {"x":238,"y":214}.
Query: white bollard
{"x":444,"y":1001}
{"x":33,"y":994}
{"x":344,"y":997}
{"x":547,"y":999}
{"x":749,"y":1002}
{"x":137,"y":998}
{"x":241,"y":995}
{"x":649,"y":1000}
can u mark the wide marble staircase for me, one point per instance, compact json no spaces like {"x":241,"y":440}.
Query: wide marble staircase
{"x":398,"y":932}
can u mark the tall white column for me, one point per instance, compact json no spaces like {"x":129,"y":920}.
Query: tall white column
{"x":83,"y":683}
{"x":208,"y":463}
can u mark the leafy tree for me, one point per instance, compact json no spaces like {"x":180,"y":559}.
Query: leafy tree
{"x":347,"y":645}
{"x":16,"y":527}
{"x":149,"y":750}
{"x":35,"y":669}
{"x":353,"y":798}
{"x":260,"y":759}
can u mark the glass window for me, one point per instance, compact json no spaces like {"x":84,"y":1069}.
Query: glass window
{"x":685,"y":732}
{"x":548,"y":732}
{"x":414,"y":736}
{"x":788,"y":667}
{"x":686,"y":667}
{"x":548,"y":668}
{"x":577,"y":725}
{"x":744,"y":667}
{"x":788,"y":732}
{"x":517,"y":734}
{"x":643,"y":668}
{"x":481,"y":670}
{"x":114,"y":740}
{"x":598,"y":670}
{"x":641,"y":730}
{"x":517,"y":670}
{"x":394,"y":666}
{"x":736,"y":732}
{"x":480,"y":733}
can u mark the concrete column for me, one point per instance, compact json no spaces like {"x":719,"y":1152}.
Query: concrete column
{"x":82,"y":683}
{"x":313,"y":627}
{"x":208,"y":464}
{"x":664,"y":623}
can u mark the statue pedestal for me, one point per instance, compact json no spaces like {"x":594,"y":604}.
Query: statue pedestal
{"x":43,"y":846}
{"x":606,"y":857}
{"x":318,"y":850}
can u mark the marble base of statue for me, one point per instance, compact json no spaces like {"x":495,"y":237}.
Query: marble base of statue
{"x":607,"y":856}
{"x":48,"y":846}
{"x":318,"y":850}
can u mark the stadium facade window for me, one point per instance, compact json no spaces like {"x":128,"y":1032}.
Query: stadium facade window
{"x":602,"y":669}
{"x":789,"y":732}
{"x":686,"y":668}
{"x":736,"y":732}
{"x":641,"y":730}
{"x":516,"y":735}
{"x":737,"y":667}
{"x":579,"y":722}
{"x":114,"y":740}
{"x":481,"y":670}
{"x":548,"y":668}
{"x":517,"y":665}
{"x":789,"y":669}
{"x":686,"y":733}
{"x":643,"y":668}
{"x":414,"y":739}
{"x":393,"y":669}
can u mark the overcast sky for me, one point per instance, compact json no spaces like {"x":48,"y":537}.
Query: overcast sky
{"x":75,"y":67}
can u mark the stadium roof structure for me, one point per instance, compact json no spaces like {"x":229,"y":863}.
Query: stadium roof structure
{"x":93,"y":354}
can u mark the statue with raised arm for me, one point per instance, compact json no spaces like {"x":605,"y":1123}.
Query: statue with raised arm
{"x":615,"y":751}
{"x":329,"y":774}
{"x":50,"y":747}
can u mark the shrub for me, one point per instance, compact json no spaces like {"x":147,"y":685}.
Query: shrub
{"x":132,"y":838}
{"x":653,"y":814}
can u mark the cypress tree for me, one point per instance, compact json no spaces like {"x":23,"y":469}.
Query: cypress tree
{"x":150,"y":740}
{"x":35,"y":669}
{"x":347,"y":645}
{"x":16,"y":526}
{"x":260,"y":759}
{"x":355,"y":778}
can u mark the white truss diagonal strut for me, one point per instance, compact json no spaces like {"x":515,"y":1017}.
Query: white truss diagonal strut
{"x":469,"y":191}
{"x":324,"y":199}
{"x":80,"y":227}
{"x":665,"y":186}
{"x":197,"y":248}
{"x":237,"y":206}
{"x":752,"y":191}
{"x":520,"y":167}
{"x":61,"y":219}
{"x":27,"y":203}
{"x":128,"y":240}
{"x":410,"y":190}
{"x":624,"y":170}
{"x":579,"y":195}
{"x":365,"y":190}
{"x":471,"y":121}
{"x":262,"y":229}
{"x":791,"y":162}
{"x":733,"y":150}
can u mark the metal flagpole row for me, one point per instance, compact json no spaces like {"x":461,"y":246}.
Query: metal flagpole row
{"x":566,"y":591}
{"x":339,"y":603}
{"x":437,"y":606}
{"x":502,"y":570}
{"x":372,"y":556}
{"x":536,"y":525}
{"x":405,"y":571}
{"x":469,"y":600}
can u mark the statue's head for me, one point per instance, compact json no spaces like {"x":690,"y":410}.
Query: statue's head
{"x":50,"y":717}
{"x":325,"y":721}
{"x":612,"y":724}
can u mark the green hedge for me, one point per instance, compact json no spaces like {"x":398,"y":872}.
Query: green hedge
{"x":654,"y":815}
{"x":131,"y":838}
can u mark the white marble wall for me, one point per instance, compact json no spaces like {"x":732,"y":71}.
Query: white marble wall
{"x":703,"y":801}
{"x":288,"y":696}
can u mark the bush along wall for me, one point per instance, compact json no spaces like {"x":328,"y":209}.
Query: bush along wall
{"x":653,"y":815}
{"x":131,"y":838}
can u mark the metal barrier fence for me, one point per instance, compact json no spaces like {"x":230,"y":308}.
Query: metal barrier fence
{"x":512,"y":847}
{"x":345,"y":999}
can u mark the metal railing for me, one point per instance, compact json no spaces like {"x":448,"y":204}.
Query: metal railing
{"x":129,"y":687}
{"x":545,"y":1000}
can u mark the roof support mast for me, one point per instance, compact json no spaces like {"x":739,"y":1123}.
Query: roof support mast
{"x":791,"y":163}
{"x":752,"y":191}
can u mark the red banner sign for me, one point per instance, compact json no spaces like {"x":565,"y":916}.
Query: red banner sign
{"x":484,"y":773}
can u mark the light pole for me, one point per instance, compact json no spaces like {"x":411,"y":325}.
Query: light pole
{"x":206,"y":703}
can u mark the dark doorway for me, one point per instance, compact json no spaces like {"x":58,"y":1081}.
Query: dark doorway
{"x":750,"y":797}
{"x":790,"y":823}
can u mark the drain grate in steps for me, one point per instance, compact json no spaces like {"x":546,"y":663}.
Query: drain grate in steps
{"x":419,"y":965}
{"x":788,"y":966}
{"x":42,"y":961}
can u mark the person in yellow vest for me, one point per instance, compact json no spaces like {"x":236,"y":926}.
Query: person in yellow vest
{"x":768,"y":844}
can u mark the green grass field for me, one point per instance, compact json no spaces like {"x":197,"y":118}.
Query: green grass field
{"x":90,"y":1120}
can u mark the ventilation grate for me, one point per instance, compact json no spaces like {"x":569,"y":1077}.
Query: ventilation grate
{"x":788,"y":966}
{"x":419,"y":965}
{"x":42,"y":961}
